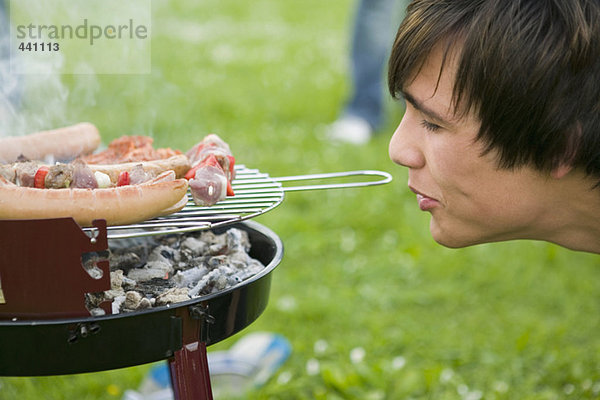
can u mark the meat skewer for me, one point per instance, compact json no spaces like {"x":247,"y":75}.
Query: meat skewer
{"x":212,"y":171}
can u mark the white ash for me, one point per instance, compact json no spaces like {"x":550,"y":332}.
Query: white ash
{"x":175,"y":268}
{"x":164,"y":254}
{"x":224,"y":275}
{"x":146,"y":303}
{"x":173,"y":295}
{"x":97,"y":312}
{"x":193,"y":247}
{"x":116,"y":304}
{"x":190,"y":276}
{"x":89,"y":262}
{"x":128,"y":283}
{"x":118,"y":281}
{"x":151,"y":270}
{"x":215,"y":281}
{"x":132,"y":300}
{"x":126,"y":261}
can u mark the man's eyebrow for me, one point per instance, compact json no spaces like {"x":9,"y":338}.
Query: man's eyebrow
{"x":425,"y":110}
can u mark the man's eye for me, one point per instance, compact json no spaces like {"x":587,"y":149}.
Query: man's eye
{"x":429,"y":126}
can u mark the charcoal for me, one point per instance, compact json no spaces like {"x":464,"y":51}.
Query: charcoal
{"x":128,"y":283}
{"x":176,"y":268}
{"x":132,"y":300}
{"x":216,"y":261}
{"x":237,"y":240}
{"x":170,"y":240}
{"x":154,"y":287}
{"x":116,"y":304}
{"x":145,"y":303}
{"x":116,"y":279}
{"x":97,"y":312}
{"x":189,"y":277}
{"x":125,"y":261}
{"x":173,"y":295}
{"x":163,"y":254}
{"x":153,"y":269}
{"x":89,"y":262}
{"x":193,"y":247}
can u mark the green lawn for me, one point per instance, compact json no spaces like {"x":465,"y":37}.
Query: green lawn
{"x":515,"y":320}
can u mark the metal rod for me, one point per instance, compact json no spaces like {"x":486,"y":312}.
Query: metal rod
{"x":386,"y":178}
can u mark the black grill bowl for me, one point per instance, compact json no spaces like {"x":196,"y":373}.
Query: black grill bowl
{"x":88,"y":344}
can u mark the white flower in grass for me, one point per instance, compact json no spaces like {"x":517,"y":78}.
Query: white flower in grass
{"x":287,"y":303}
{"x":320,"y":346}
{"x":501,"y":387}
{"x":312,"y":366}
{"x":348,"y":241}
{"x":284,"y":378}
{"x":474,"y":395}
{"x":569,"y":388}
{"x":467,"y":394}
{"x":376,"y":395}
{"x":398,"y":363}
{"x":357,"y":355}
{"x":446,"y":375}
{"x":587,"y":384}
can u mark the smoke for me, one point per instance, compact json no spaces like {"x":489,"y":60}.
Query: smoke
{"x":28,"y":102}
{"x":41,"y":90}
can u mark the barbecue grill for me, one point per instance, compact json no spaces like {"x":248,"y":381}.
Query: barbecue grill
{"x":47,"y":330}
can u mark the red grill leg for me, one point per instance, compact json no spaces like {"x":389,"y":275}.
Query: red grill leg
{"x":190,"y":374}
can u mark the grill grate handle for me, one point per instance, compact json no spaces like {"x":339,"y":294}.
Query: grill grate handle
{"x":331,"y":175}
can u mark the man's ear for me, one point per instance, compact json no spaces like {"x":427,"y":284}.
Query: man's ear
{"x":560,"y":171}
{"x":566,"y":164}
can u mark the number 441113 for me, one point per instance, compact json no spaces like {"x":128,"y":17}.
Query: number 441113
{"x":29,"y":46}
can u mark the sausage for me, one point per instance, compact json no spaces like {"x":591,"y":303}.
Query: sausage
{"x":117,"y":205}
{"x":62,"y":144}
{"x":179,"y":163}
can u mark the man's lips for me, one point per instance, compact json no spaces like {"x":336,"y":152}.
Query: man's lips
{"x":426,"y":203}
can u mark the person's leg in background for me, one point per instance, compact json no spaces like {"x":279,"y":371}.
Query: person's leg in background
{"x":372,"y":36}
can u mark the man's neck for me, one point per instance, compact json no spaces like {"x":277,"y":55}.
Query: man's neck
{"x":574,"y":221}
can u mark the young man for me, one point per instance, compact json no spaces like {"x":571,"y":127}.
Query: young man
{"x":501,"y":133}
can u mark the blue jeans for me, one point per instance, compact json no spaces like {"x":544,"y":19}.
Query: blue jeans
{"x":375,"y":24}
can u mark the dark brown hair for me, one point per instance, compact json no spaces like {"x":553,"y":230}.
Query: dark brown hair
{"x":529,"y":69}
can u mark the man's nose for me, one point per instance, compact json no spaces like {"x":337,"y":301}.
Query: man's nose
{"x":405,"y":145}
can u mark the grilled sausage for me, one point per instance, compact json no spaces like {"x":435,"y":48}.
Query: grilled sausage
{"x":118,"y":205}
{"x":61,"y":144}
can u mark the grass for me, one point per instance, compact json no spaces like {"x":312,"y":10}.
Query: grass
{"x":361,"y":274}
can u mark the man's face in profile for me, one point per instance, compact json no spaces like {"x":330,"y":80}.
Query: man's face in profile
{"x":470,"y":199}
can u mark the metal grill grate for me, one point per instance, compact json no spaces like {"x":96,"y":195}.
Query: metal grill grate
{"x":255,"y":193}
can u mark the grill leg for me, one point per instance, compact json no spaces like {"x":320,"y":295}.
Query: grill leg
{"x":190,"y":374}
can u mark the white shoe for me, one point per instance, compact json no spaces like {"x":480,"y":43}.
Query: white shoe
{"x":350,"y":129}
{"x":250,"y":362}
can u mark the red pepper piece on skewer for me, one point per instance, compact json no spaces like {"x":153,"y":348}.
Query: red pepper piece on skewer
{"x":124,"y":179}
{"x":39,"y":178}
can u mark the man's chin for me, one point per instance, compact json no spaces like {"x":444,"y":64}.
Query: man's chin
{"x":452,"y":238}
{"x":452,"y":244}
